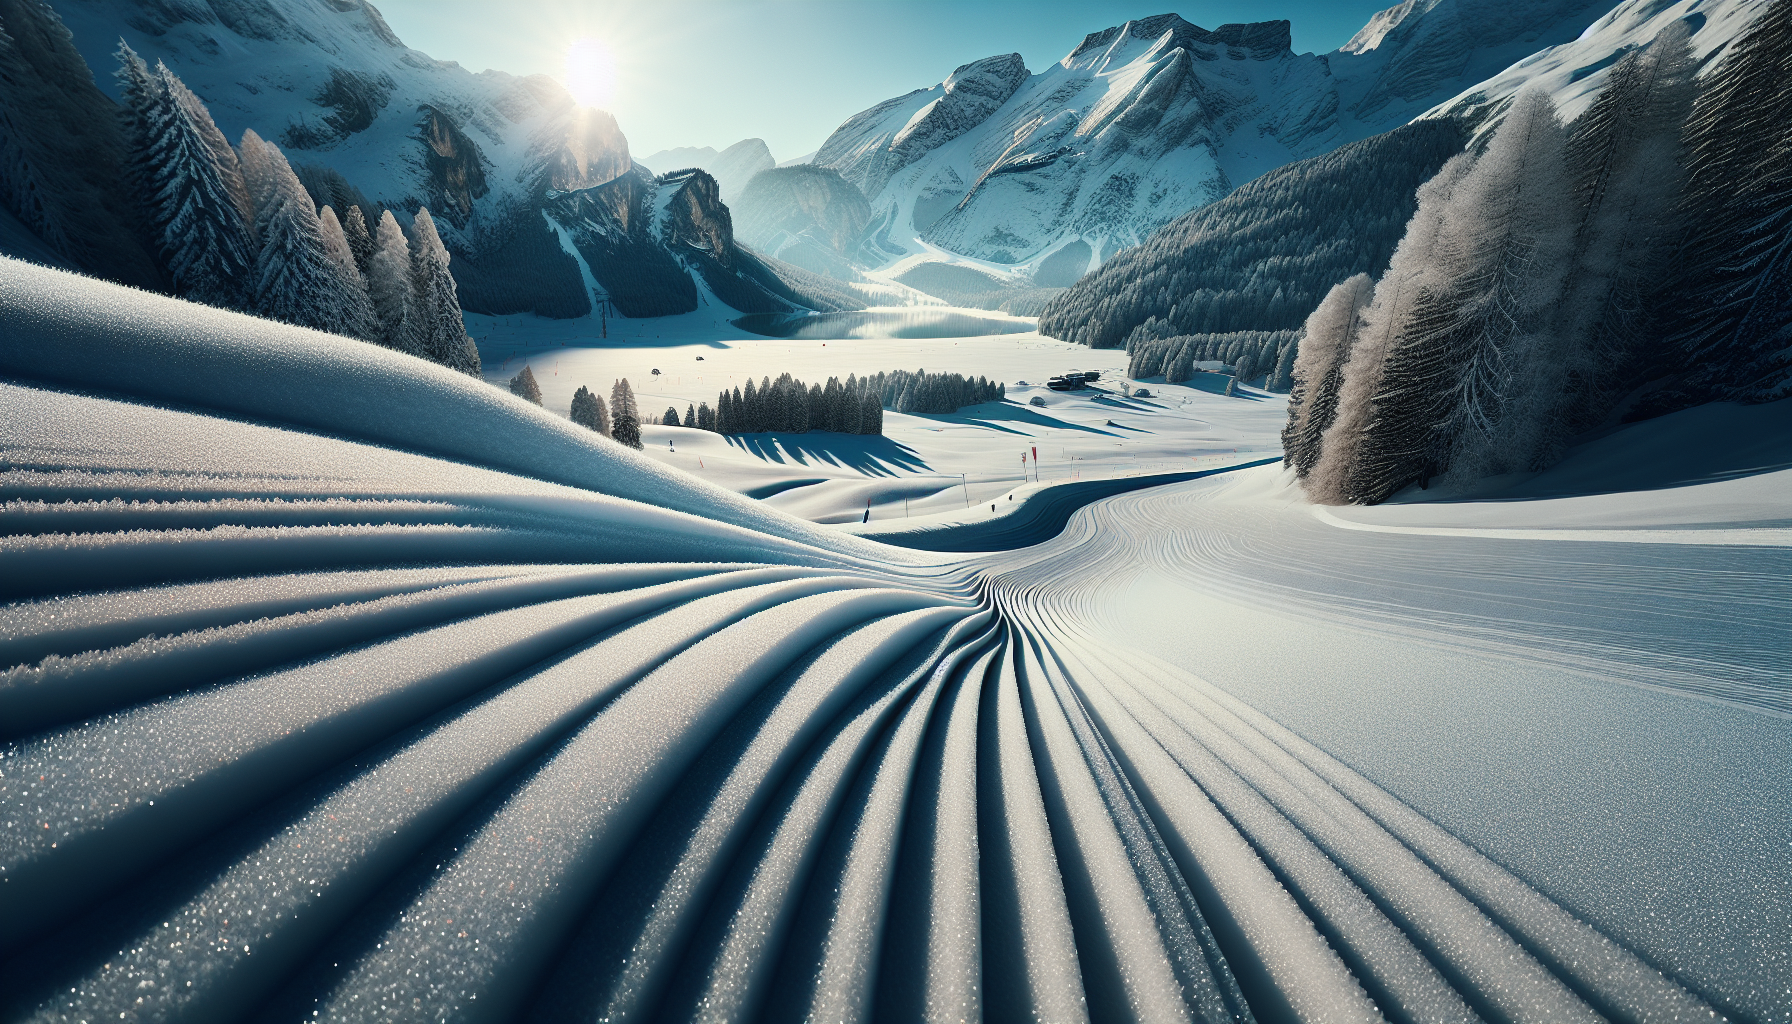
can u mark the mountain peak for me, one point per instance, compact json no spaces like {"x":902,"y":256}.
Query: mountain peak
{"x":1263,"y":38}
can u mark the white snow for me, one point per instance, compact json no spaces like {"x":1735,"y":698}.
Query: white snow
{"x":340,"y":682}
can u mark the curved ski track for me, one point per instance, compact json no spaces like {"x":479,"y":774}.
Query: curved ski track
{"x":301,"y":726}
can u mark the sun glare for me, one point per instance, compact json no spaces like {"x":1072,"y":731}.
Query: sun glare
{"x":590,"y":73}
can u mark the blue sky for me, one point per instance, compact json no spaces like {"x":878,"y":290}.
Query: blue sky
{"x":712,"y":72}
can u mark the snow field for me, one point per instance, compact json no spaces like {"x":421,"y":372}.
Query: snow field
{"x":350,"y":686}
{"x":913,"y":471}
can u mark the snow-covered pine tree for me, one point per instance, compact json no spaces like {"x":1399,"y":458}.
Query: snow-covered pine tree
{"x":1319,"y":369}
{"x":871,"y":415}
{"x":190,"y":187}
{"x":625,"y":418}
{"x":358,"y":320}
{"x":224,"y":158}
{"x":1412,"y":274}
{"x":588,"y":411}
{"x":360,"y":240}
{"x":1733,"y":285}
{"x":1451,"y":377}
{"x":440,"y":331}
{"x":63,"y":152}
{"x":296,"y":280}
{"x":523,"y":384}
{"x":1624,"y":162}
{"x":389,"y":288}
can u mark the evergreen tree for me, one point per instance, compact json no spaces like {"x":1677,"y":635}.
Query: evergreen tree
{"x":1732,"y":293}
{"x":625,"y":419}
{"x":295,"y":280}
{"x":1625,"y":166}
{"x":360,"y":240}
{"x":871,"y":415}
{"x":359,"y":320}
{"x":1414,"y":274}
{"x":64,"y":151}
{"x":1449,"y":378}
{"x":441,"y":333}
{"x":1319,"y":370}
{"x":690,"y":415}
{"x":523,"y":386}
{"x":389,"y":288}
{"x":190,"y":185}
{"x":706,"y":417}
{"x":670,"y":419}
{"x":748,"y":410}
{"x":588,"y":411}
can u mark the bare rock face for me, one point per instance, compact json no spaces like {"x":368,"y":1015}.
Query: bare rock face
{"x":456,"y":167}
{"x":695,"y":217}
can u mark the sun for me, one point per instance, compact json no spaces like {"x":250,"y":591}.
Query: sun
{"x":590,"y":73}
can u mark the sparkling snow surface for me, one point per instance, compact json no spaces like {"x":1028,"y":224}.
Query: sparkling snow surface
{"x":344,"y":687}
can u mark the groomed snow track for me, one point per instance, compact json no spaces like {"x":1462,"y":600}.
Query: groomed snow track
{"x":344,"y":687}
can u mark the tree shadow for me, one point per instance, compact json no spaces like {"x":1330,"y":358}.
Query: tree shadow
{"x":987,"y":416}
{"x":869,"y":454}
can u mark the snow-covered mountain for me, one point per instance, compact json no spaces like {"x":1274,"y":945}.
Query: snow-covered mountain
{"x":732,"y":167}
{"x":331,"y":83}
{"x":1575,"y":71}
{"x":1147,"y":120}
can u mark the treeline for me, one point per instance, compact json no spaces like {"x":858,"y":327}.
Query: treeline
{"x":1152,"y":350}
{"x":789,"y":406}
{"x":855,"y":406}
{"x":1531,"y":292}
{"x":923,"y":392}
{"x":1261,"y":258}
{"x":236,"y":229}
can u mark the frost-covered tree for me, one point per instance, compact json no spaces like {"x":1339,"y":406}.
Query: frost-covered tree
{"x":389,"y":288}
{"x":190,"y":186}
{"x":296,"y":281}
{"x":625,"y":418}
{"x":588,"y":410}
{"x":1731,"y":301}
{"x":63,"y":151}
{"x":523,"y":386}
{"x":1474,"y":346}
{"x":1625,"y":168}
{"x":1318,"y":370}
{"x":1413,"y":273}
{"x":871,"y":415}
{"x":360,"y":240}
{"x":441,"y":333}
{"x":358,"y":320}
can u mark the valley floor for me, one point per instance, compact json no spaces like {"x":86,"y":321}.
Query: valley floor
{"x":926,"y":468}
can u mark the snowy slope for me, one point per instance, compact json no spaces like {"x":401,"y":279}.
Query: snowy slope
{"x":1574,"y":71}
{"x":331,"y":83}
{"x":341,"y":684}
